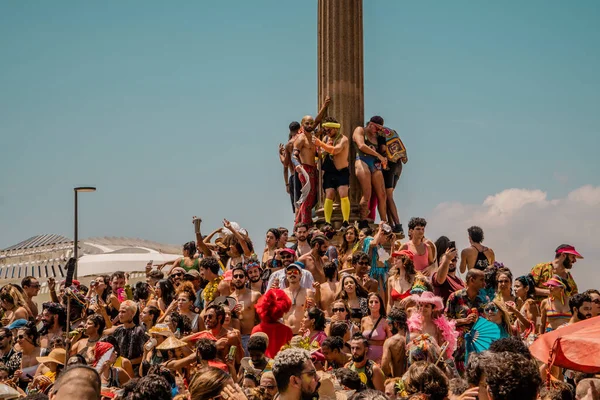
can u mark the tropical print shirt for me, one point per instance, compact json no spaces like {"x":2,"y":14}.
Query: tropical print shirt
{"x":542,"y":272}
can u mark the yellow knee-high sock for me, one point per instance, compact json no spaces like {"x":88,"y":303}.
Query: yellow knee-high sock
{"x":328,"y":209}
{"x":345,"y":208}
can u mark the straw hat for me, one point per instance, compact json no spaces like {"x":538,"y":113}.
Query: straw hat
{"x":171,"y":343}
{"x":224,"y":301}
{"x":160,"y":329}
{"x":57,"y":356}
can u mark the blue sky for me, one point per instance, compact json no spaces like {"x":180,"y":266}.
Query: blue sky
{"x":173,"y":111}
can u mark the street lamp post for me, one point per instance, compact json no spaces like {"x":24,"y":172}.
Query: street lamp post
{"x":76,"y":239}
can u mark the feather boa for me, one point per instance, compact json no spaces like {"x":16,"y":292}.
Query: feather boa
{"x":273,"y":305}
{"x":445,"y":326}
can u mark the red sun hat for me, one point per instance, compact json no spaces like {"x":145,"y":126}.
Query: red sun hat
{"x":406,"y":253}
{"x":568,"y":249}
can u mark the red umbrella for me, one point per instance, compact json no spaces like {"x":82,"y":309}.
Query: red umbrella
{"x":575,"y":346}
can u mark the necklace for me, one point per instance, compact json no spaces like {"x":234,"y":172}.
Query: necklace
{"x":295,"y":296}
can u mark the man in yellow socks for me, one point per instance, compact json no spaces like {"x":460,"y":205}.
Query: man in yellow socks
{"x":336,"y":175}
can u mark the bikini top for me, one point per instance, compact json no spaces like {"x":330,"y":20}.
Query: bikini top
{"x":552,"y":313}
{"x":396,"y":296}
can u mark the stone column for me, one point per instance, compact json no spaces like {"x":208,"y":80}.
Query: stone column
{"x":340,"y":74}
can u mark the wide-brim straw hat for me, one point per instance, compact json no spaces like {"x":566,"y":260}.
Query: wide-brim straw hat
{"x":171,"y":343}
{"x":57,"y":356}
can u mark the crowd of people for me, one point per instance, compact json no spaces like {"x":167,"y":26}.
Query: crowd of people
{"x":352,"y":313}
{"x":361,"y":315}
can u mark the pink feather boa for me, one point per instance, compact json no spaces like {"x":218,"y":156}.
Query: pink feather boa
{"x":445,"y":326}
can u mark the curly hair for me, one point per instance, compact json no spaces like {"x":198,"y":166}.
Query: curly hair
{"x":257,"y":343}
{"x":288,"y":363}
{"x":211,"y":264}
{"x":511,"y":344}
{"x":416,"y":221}
{"x":273,"y":305}
{"x":426,"y":378}
{"x":557,"y":391}
{"x":476,"y":234}
{"x":510,"y":376}
{"x":187,"y":288}
{"x":151,"y":387}
{"x":349,"y":379}
{"x":207,"y":349}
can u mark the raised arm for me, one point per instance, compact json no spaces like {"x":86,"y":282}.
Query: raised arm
{"x":333,"y":150}
{"x":241,"y":240}
{"x":322,"y":111}
{"x":442,"y":272}
{"x":201,"y":244}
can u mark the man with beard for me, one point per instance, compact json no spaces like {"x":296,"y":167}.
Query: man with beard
{"x":444,"y":280}
{"x":295,"y":375}
{"x":303,"y":159}
{"x":595,"y":296}
{"x":214,"y":317}
{"x":54,"y":318}
{"x":277,"y":278}
{"x":313,"y":260}
{"x":301,"y":246}
{"x":564,"y":257}
{"x":117,"y":284}
{"x":361,"y":263}
{"x":581,"y":307}
{"x":176,"y":276}
{"x":130,"y":337}
{"x":370,"y":373}
{"x":299,"y":296}
{"x":393,"y":362}
{"x":246,"y":299}
{"x":6,"y":349}
{"x":336,"y":177}
{"x":31,"y":287}
{"x":255,"y":281}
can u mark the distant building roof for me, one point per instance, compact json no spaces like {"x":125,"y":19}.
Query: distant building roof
{"x":38,"y":241}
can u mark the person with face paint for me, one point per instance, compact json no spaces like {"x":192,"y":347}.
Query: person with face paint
{"x":303,"y":159}
{"x":370,"y":373}
{"x":295,"y":375}
{"x":565,"y":256}
{"x":246,"y":299}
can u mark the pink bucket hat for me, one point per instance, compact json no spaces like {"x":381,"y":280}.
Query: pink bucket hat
{"x":429,"y":298}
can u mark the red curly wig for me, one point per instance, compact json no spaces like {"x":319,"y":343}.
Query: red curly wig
{"x":273,"y":305}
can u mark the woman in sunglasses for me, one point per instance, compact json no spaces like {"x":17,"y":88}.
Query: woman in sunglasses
{"x":25,"y":363}
{"x":496,"y":312}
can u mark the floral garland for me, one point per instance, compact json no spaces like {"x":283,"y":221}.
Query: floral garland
{"x":211,"y":290}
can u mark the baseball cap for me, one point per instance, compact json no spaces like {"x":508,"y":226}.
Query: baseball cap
{"x":294,"y":265}
{"x":17,"y":324}
{"x":568,"y":249}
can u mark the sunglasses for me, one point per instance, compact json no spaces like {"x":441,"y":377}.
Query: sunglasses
{"x":338,"y":309}
{"x":35,"y":286}
{"x":22,"y":337}
{"x":491,"y":310}
{"x":287,"y":255}
{"x":239,"y":276}
{"x":293,"y":272}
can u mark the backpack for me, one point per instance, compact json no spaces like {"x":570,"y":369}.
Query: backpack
{"x":395,"y":147}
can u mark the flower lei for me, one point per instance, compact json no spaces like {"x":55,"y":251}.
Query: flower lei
{"x":210,"y":291}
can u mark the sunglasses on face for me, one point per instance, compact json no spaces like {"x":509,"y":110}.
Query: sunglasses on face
{"x":238,"y":276}
{"x":287,"y":255}
{"x":338,"y":310}
{"x":293,"y":272}
{"x":491,"y":310}
{"x":21,"y":337}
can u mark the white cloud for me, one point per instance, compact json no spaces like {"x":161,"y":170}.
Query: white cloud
{"x":524,"y":227}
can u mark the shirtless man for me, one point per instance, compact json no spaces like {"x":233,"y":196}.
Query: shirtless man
{"x":254,"y":273}
{"x":423,"y":249}
{"x":313,"y":260}
{"x":246,"y":299}
{"x":394,"y":349}
{"x":303,"y":159}
{"x":54,"y":319}
{"x":368,"y":166}
{"x":477,"y":256}
{"x":336,"y":175}
{"x":301,"y":232}
{"x":292,"y":183}
{"x":214,"y":317}
{"x":329,"y":289}
{"x":361,"y":263}
{"x":298,"y":295}
{"x":31,"y":287}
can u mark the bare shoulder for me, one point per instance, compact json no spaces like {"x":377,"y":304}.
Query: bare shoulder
{"x":358,"y":132}
{"x":306,"y":256}
{"x":255,"y":295}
